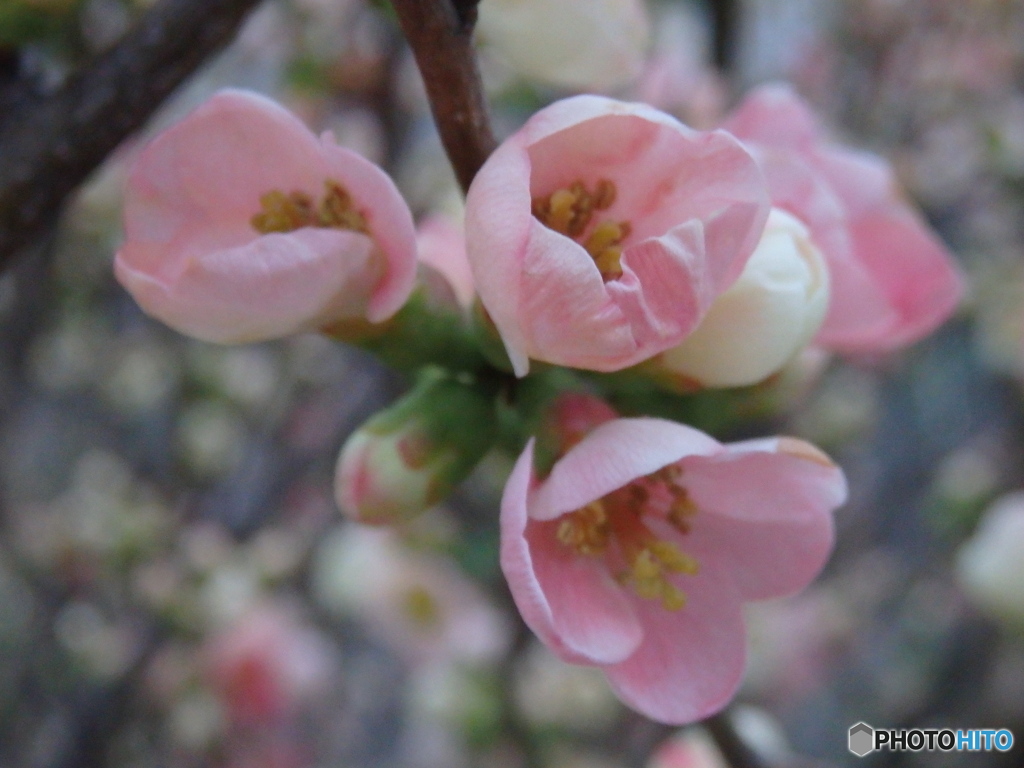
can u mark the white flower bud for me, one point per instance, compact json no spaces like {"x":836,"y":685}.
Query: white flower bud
{"x":578,"y":44}
{"x":768,"y":315}
{"x":990,"y":566}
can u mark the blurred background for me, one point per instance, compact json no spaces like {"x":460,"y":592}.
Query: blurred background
{"x":177,"y":587}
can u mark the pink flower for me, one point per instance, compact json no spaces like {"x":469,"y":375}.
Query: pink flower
{"x":638,"y":550}
{"x":266,"y":663}
{"x":241,"y":225}
{"x":893,"y":282}
{"x":600,"y":232}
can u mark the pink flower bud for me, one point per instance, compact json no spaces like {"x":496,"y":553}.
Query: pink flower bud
{"x":241,"y":225}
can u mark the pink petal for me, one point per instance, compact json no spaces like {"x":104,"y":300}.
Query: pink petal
{"x":387,"y":217}
{"x":272,"y":286}
{"x":913,"y":268}
{"x":611,"y":456}
{"x":565,"y":309}
{"x":498,"y":225}
{"x":765,"y":512}
{"x":569,"y":601}
{"x":691,"y":660}
{"x":442,"y":245}
{"x":774,"y":115}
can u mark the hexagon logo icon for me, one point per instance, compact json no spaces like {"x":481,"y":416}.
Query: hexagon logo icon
{"x":862,"y":739}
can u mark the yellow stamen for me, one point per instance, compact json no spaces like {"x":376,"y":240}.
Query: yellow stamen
{"x":650,"y":563}
{"x":586,"y":529}
{"x":280,"y":212}
{"x":570,"y":211}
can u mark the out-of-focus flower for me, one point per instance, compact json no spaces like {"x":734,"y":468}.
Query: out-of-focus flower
{"x":638,"y":550}
{"x":768,"y":315}
{"x":691,"y":748}
{"x":576,"y":44}
{"x":420,"y":604}
{"x":265,"y":664}
{"x":411,"y":455}
{"x":241,"y":225}
{"x":552,"y":693}
{"x":990,"y":566}
{"x":678,"y":77}
{"x":892,"y":281}
{"x":601,"y":231}
{"x":442,"y":245}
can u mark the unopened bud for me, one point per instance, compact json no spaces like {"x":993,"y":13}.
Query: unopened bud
{"x":410,"y":456}
{"x":768,"y":315}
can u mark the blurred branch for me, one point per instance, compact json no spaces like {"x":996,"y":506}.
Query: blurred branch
{"x":726,"y":17}
{"x":440,"y":33}
{"x":732,"y":746}
{"x":50,"y":142}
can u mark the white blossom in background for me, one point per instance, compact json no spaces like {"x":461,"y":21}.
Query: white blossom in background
{"x":573,"y":44}
{"x":418,"y":603}
{"x":990,"y":566}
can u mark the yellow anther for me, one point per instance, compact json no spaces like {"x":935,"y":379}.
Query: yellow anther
{"x":673,"y":598}
{"x":569,"y":211}
{"x":585,"y":530}
{"x":280,"y":212}
{"x":561,"y":210}
{"x":673,"y":560}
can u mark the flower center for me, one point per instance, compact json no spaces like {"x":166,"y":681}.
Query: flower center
{"x":570,"y":210}
{"x":280,"y":212}
{"x":613,"y":527}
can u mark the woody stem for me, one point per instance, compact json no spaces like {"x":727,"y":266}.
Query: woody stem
{"x":440,"y":33}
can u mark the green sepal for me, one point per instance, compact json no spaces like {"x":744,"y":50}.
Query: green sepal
{"x":453,"y":418}
{"x":430,"y":329}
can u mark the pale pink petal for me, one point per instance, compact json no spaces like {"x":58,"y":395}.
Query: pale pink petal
{"x":565,"y":310}
{"x":914,"y":269}
{"x":442,"y":245}
{"x":774,"y":115}
{"x":765,"y":510}
{"x":387,"y":217}
{"x":272,"y":286}
{"x":690,"y":662}
{"x":498,"y":224}
{"x":570,"y":602}
{"x":611,"y":456}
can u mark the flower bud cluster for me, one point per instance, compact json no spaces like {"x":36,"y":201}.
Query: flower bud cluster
{"x":612,"y":259}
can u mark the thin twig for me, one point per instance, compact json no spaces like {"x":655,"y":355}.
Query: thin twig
{"x":440,"y":33}
{"x":49,"y":143}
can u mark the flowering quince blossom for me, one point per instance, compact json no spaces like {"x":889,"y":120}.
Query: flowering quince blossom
{"x":601,"y":231}
{"x":241,"y":225}
{"x":893,"y":282}
{"x":637,"y":551}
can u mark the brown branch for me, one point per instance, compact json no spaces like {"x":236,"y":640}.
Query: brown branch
{"x":440,"y":33}
{"x":49,"y":143}
{"x":732,"y":746}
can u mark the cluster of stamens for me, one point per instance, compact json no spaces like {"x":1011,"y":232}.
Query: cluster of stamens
{"x":570,"y":211}
{"x":280,"y":212}
{"x":639,"y":559}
